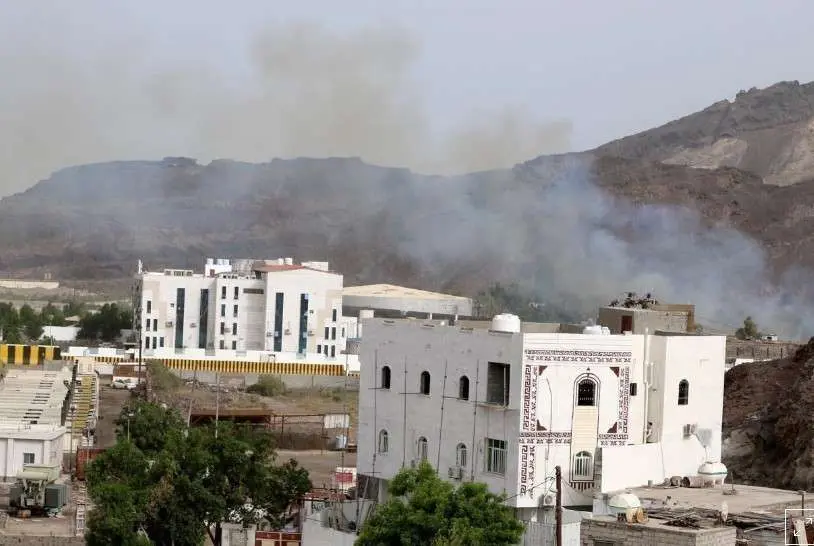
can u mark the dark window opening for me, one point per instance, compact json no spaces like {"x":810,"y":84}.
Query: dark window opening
{"x":463,"y":388}
{"x":497,"y":384}
{"x":424,"y":383}
{"x":386,"y":377}
{"x":683,"y":392}
{"x":633,"y":389}
{"x":586,"y":393}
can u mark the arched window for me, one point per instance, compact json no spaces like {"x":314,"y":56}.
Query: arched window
{"x":683,"y":392}
{"x":422,"y":449}
{"x":582,"y":469}
{"x":461,"y":455}
{"x":384,"y":441}
{"x":386,"y":377}
{"x":586,"y":392}
{"x":463,"y":388}
{"x":424,"y":385}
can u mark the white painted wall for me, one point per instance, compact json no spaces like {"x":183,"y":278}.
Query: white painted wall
{"x":45,"y":442}
{"x":539,"y":423}
{"x":60,"y":333}
{"x":255,"y":315}
{"x":411,"y":346}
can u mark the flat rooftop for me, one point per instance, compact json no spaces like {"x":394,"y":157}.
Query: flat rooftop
{"x":746,"y":498}
{"x":408,"y":300}
{"x":33,"y":396}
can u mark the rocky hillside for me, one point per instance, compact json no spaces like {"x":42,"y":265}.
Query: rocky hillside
{"x":769,"y":132}
{"x":768,"y":431}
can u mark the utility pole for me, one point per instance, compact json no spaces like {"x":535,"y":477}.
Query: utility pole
{"x":558,"y":509}
{"x":217,"y":402}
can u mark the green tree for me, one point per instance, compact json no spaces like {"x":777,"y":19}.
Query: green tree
{"x":748,"y":330}
{"x":106,"y":324}
{"x":177,"y":485}
{"x":10,"y":324}
{"x":52,"y":315}
{"x":511,"y":298}
{"x":424,"y":509}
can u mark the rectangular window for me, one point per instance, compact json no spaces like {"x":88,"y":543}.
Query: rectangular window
{"x":155,"y":342}
{"x":333,"y":351}
{"x":180,"y":297}
{"x":333,"y":332}
{"x":223,"y":292}
{"x":222,"y":328}
{"x":234,"y":345}
{"x":343,"y":333}
{"x":155,"y":325}
{"x":633,"y":389}
{"x":161,"y":341}
{"x":234,"y":328}
{"x":223,"y":309}
{"x":333,"y":316}
{"x":497,"y":384}
{"x":319,"y":349}
{"x":203,"y":319}
{"x":28,"y":458}
{"x":278,"y":322}
{"x":495,"y":456}
{"x":234,"y":312}
{"x":149,"y":307}
{"x":222,"y":344}
{"x":327,"y":332}
{"x":258,"y":291}
{"x":303,"y":341}
{"x":237,"y":292}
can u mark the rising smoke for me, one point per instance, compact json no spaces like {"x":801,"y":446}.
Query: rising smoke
{"x":309,"y":92}
{"x":299,"y":90}
{"x":566,"y":240}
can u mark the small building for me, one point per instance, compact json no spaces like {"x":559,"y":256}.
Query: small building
{"x":656,"y":317}
{"x":33,"y":410}
{"x":503,"y":407}
{"x":608,"y":531}
{"x":390,"y":301}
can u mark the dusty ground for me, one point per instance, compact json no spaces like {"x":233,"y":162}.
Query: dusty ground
{"x":111,"y":402}
{"x":320,"y":464}
{"x":62,"y":525}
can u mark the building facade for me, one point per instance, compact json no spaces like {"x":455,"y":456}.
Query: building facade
{"x":274,"y":306}
{"x":502,"y":407}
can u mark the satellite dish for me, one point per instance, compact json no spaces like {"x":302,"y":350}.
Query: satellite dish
{"x":724,"y":511}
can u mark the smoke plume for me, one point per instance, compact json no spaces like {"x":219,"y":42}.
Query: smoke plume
{"x":299,"y":91}
{"x":553,"y":229}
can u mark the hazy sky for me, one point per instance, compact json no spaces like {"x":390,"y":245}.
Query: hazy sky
{"x":75,"y":75}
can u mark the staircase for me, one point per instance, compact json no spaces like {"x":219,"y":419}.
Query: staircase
{"x":80,"y":502}
{"x":84,"y":409}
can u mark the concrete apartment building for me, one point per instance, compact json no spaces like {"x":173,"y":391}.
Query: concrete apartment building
{"x":243,"y":305}
{"x":504,"y":407}
{"x":658,"y":317}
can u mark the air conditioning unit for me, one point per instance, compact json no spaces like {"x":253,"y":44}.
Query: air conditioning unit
{"x":549,"y":499}
{"x":413,"y":463}
{"x":455,"y":472}
{"x":310,"y":333}
{"x":168,"y":324}
{"x":287,"y":331}
{"x":690,"y":430}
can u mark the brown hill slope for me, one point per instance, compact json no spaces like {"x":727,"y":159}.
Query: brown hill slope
{"x":768,"y":432}
{"x":769,"y":132}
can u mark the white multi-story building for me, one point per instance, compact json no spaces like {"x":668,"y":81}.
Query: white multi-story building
{"x":243,"y":305}
{"x":503,"y":407}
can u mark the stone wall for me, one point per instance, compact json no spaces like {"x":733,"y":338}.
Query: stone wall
{"x":607,"y":532}
{"x":6,"y":540}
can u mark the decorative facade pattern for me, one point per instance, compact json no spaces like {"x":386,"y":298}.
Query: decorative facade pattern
{"x":532,"y":433}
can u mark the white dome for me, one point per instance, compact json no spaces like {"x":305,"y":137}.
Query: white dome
{"x":624,"y":502}
{"x":506,"y":323}
{"x":713,"y":469}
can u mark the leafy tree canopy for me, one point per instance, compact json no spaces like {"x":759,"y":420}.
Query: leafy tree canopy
{"x":748,"y":330}
{"x":426,"y":510}
{"x":106,"y":324}
{"x":175,"y":485}
{"x":511,"y":298}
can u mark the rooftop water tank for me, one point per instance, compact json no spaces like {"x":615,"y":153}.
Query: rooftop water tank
{"x":713,"y":471}
{"x":365,"y":313}
{"x":593,"y":330}
{"x":289,"y":261}
{"x":605,"y":331}
{"x":506,"y":322}
{"x":623,"y":503}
